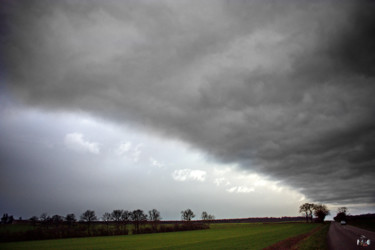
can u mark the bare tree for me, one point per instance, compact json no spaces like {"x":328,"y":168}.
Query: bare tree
{"x":207,"y":217}
{"x":138,"y":217}
{"x":45,"y":219}
{"x":88,"y":217}
{"x":307,"y":209}
{"x":57,"y":220}
{"x":321,"y":211}
{"x":154,"y":217}
{"x":187,"y":215}
{"x":34,"y":220}
{"x":204,"y":215}
{"x":116,"y":216}
{"x":341,"y":214}
{"x":70,"y":219}
{"x":107,"y":218}
{"x":342,"y":210}
{"x":125,"y":218}
{"x":7,"y":219}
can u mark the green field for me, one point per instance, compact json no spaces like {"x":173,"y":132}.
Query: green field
{"x":317,"y":240}
{"x":220,"y":236}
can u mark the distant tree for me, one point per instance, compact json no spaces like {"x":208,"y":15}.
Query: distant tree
{"x":341,"y":214}
{"x":187,"y":215}
{"x":321,"y":211}
{"x":207,"y":217}
{"x":138,"y":217}
{"x":204,"y":215}
{"x":342,"y":210}
{"x":34,"y":220}
{"x":116,"y":216}
{"x":7,"y":219}
{"x":45,"y":219}
{"x":10,"y":219}
{"x":211,"y":217}
{"x":70,"y":219}
{"x":57,"y":219}
{"x":4,"y":219}
{"x":154,"y":217}
{"x":88,"y":217}
{"x":125,"y":218}
{"x":107,"y":218}
{"x":307,"y":209}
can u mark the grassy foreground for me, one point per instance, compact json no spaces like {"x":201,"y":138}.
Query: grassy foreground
{"x":220,"y":236}
{"x":317,"y":240}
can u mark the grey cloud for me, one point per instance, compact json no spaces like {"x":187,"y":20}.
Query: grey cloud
{"x":284,"y":89}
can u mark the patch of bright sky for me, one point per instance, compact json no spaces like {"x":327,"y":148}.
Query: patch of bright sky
{"x":122,"y":155}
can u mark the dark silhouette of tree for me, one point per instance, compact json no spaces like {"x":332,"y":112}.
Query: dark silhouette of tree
{"x":107,"y":218}
{"x":125,"y":218}
{"x":116,"y":217}
{"x":57,"y":220}
{"x":307,"y":209}
{"x":34,"y":220}
{"x":204,"y":215}
{"x":154,"y":218}
{"x":341,"y":214}
{"x":138,"y":217}
{"x":45,"y":219}
{"x":187,"y":215}
{"x":342,"y":210}
{"x":7,"y":219}
{"x":207,"y":217}
{"x":88,"y":217}
{"x":321,"y":211}
{"x":70,"y":219}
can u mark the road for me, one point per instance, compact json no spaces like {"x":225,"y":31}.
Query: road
{"x":344,"y":237}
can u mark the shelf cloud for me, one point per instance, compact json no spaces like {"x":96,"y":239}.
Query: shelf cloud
{"x":284,"y":88}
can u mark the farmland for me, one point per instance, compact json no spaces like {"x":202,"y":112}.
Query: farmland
{"x":220,"y":236}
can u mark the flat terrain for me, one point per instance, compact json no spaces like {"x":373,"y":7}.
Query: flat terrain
{"x":220,"y":236}
{"x":345,"y":237}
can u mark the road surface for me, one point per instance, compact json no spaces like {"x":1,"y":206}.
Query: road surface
{"x":344,"y":237}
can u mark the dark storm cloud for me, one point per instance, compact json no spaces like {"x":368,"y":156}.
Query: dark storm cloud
{"x":354,"y":48}
{"x":281,"y":88}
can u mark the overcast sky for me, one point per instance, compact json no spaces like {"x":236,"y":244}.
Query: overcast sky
{"x":237,"y":108}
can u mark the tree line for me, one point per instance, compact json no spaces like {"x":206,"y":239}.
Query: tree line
{"x":320,"y":211}
{"x":117,"y":222}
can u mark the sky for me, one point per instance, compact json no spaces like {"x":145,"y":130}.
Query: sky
{"x":237,"y":108}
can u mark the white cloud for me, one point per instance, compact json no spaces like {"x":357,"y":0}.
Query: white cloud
{"x":240,"y":189}
{"x":75,"y":141}
{"x":123,"y":148}
{"x":136,"y":153}
{"x":189,"y":175}
{"x":221,"y":181}
{"x":126,"y":149}
{"x":156,"y":163}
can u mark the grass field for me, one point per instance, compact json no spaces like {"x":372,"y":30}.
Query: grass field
{"x":318,"y":240}
{"x":220,"y":236}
